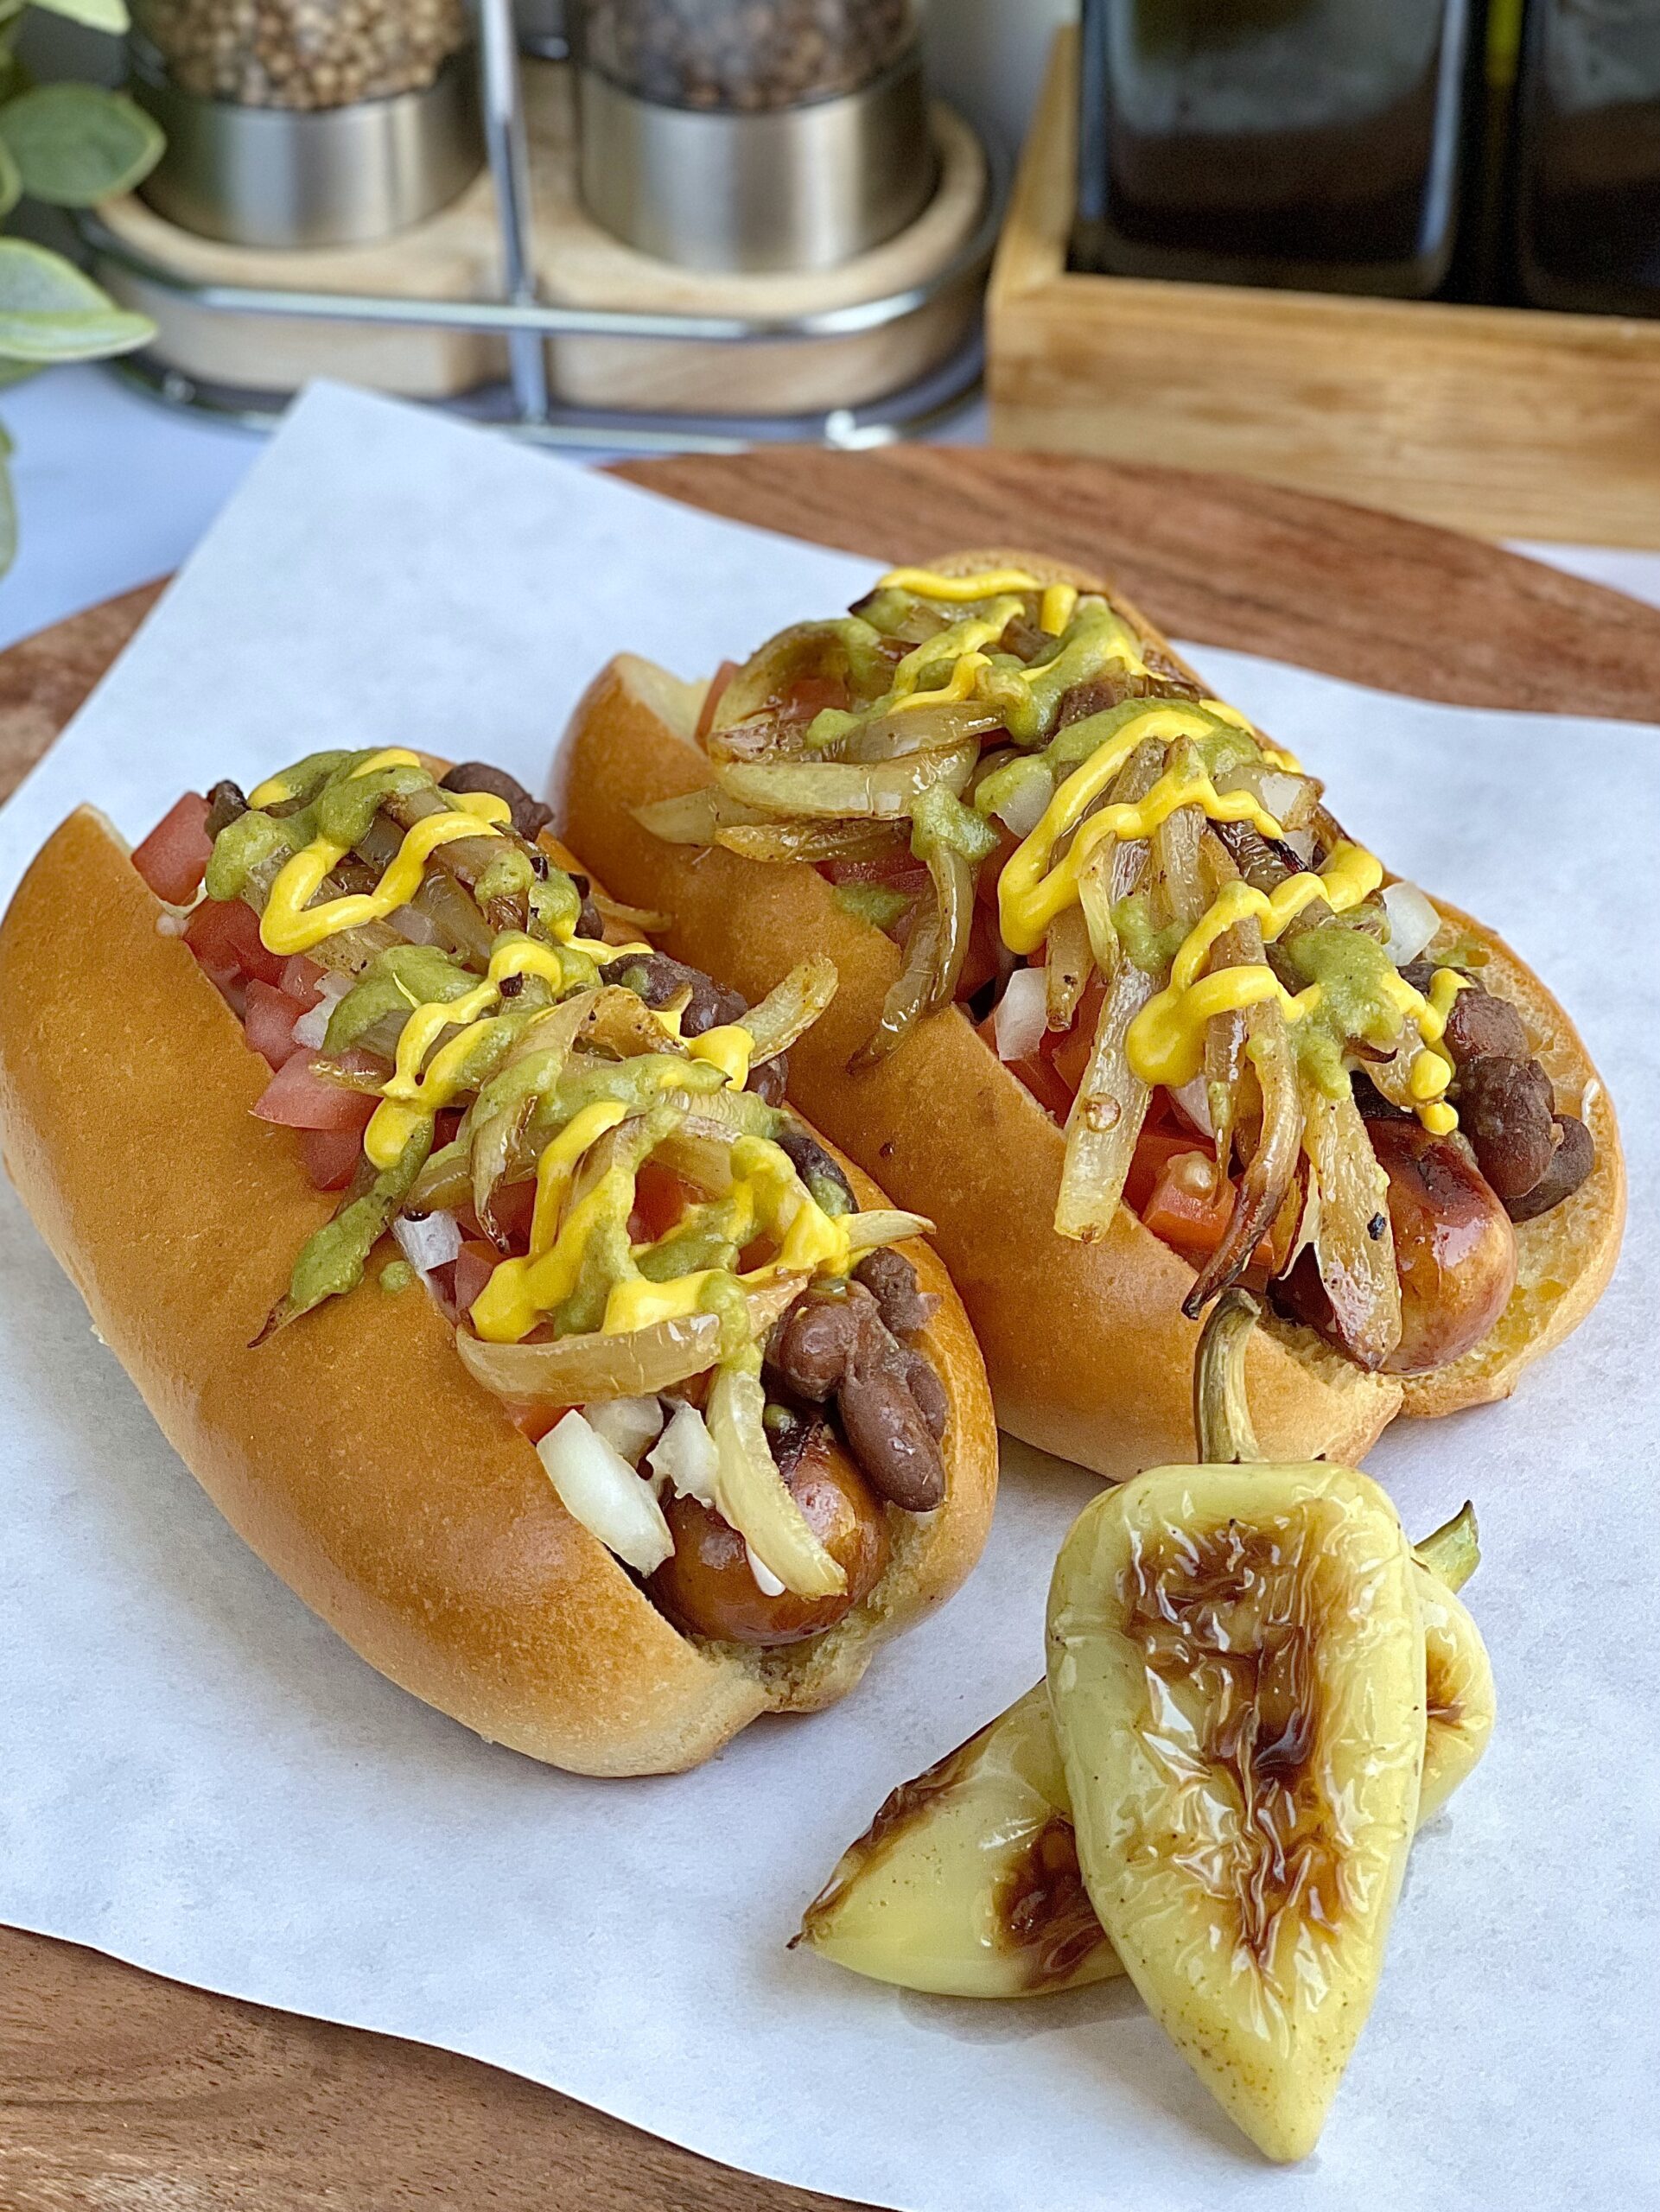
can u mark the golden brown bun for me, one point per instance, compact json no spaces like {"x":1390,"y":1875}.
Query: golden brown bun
{"x":1088,"y":1351}
{"x":352,"y":1452}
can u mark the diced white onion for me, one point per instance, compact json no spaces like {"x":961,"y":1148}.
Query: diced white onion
{"x":766,"y":1581}
{"x":1194,"y":1099}
{"x":598,"y":1488}
{"x":311,"y":1030}
{"x":409,"y":922}
{"x":1301,"y":843}
{"x":1279,"y":793}
{"x":432,"y":1242}
{"x":628,"y":1425}
{"x":1024,"y":807}
{"x":684,"y":1457}
{"x":1021,"y":1014}
{"x":167,"y":923}
{"x":1412,"y":921}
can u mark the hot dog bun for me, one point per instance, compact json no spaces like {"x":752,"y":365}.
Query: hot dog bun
{"x":1089,"y":1354}
{"x":352,"y":1452}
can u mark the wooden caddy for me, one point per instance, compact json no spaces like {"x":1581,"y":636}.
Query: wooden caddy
{"x":1509,"y":422}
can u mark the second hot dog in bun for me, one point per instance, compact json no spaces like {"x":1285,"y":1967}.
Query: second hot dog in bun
{"x":1123,"y":1005}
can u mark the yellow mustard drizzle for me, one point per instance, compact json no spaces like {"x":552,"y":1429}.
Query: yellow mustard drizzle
{"x":557,"y":1165}
{"x":291,"y":924}
{"x":727,"y":1048}
{"x":417,"y":1088}
{"x":1055,"y":611}
{"x":1031,"y":891}
{"x":958,"y":687}
{"x":1165,"y":1043}
{"x":768,"y":1195}
{"x":958,"y":591}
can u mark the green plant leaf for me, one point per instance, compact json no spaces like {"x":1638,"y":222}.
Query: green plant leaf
{"x":12,"y":184}
{"x":50,"y":312}
{"x":76,"y":144}
{"x":8,"y":515}
{"x":98,"y":15}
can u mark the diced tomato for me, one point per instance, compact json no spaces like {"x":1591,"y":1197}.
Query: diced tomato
{"x":1156,"y":1146}
{"x":224,"y":934}
{"x":448,"y":1121}
{"x":1190,"y":1210}
{"x":299,"y":1100}
{"x":267,"y":1019}
{"x":173,"y":858}
{"x":722,"y":675}
{"x":474,"y":1265}
{"x":331,"y":1156}
{"x":302,"y":979}
{"x":513,"y":1206}
{"x":537,"y":1421}
{"x":1068,"y":1050}
{"x":1188,"y":1207}
{"x":1036,"y":1071}
{"x":661,"y":1198}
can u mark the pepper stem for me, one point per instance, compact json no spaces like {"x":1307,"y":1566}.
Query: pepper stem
{"x":1452,"y":1553}
{"x":1221,"y":1408}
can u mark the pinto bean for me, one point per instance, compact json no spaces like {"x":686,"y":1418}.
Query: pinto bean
{"x":590,"y":922}
{"x":813,"y":1346}
{"x":891,"y":1281}
{"x":1571,"y":1162}
{"x":886,"y":1429}
{"x":529,"y":815}
{"x":810,"y":1159}
{"x":1505,"y":1110}
{"x":1477,"y":1022}
{"x":929,"y":1392}
{"x":657,"y":979}
{"x":771,"y":1079}
{"x":225,"y":804}
{"x":1480,"y":1025}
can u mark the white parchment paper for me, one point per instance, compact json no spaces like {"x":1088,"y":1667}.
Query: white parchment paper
{"x":195,"y":1776}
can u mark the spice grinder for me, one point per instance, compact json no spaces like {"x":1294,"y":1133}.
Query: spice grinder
{"x":753,"y":134}
{"x":307,"y":123}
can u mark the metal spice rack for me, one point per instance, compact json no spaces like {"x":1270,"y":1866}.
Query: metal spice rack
{"x":523,"y":406}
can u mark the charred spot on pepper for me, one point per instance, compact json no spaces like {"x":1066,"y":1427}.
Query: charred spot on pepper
{"x":1234,"y":1616}
{"x":1041,"y":1909}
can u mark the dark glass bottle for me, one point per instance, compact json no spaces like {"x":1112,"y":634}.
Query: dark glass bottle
{"x":1304,"y":142}
{"x":1588,"y":156}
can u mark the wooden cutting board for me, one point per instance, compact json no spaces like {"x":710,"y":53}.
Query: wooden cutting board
{"x":118,"y":2089}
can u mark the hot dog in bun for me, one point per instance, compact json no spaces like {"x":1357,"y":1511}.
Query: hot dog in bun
{"x":462,"y":1243}
{"x":1123,"y":1007}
